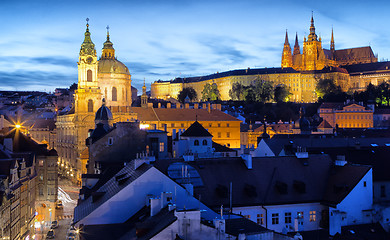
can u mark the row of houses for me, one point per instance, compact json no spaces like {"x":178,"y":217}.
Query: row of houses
{"x":202,"y":191}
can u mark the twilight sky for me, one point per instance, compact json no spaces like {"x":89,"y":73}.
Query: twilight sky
{"x":40,"y":40}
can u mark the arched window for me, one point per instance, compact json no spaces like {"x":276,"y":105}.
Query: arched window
{"x":204,"y":142}
{"x":114,"y":94}
{"x":90,"y":105}
{"x":89,"y":76}
{"x":196,"y":143}
{"x":123,"y":94}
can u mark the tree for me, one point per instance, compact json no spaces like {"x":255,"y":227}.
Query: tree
{"x":237,"y":92}
{"x":188,"y":91}
{"x":281,"y":93}
{"x":210,"y":92}
{"x":263,"y":90}
{"x":326,"y":86}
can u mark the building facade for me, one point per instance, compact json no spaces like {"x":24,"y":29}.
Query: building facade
{"x":352,"y":68}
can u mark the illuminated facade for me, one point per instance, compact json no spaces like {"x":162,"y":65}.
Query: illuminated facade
{"x":350,"y":115}
{"x":105,"y":78}
{"x":299,"y":71}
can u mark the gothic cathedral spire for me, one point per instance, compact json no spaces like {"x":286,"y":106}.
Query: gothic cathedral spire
{"x":297,"y":50}
{"x":286,"y":56}
{"x":312,"y":36}
{"x":332,"y":46}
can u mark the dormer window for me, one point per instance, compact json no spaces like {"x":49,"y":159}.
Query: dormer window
{"x":196,"y":143}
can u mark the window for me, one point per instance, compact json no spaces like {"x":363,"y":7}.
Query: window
{"x":227,"y":125}
{"x":182,"y":125}
{"x":219,"y":135}
{"x":312,"y":216}
{"x":219,"y":125}
{"x":172,"y":125}
{"x":247,"y":216}
{"x":228,"y":134}
{"x":110,"y":141}
{"x":275,"y":218}
{"x":287,"y":217}
{"x":196,"y":143}
{"x":260,"y":219}
{"x":210,"y":125}
{"x":41,"y":163}
{"x":300,"y":215}
{"x":365,"y":184}
{"x":204,"y":143}
{"x":114,"y":94}
{"x":89,"y":76}
{"x":90,"y":105}
{"x":161,"y":147}
{"x":383,"y":191}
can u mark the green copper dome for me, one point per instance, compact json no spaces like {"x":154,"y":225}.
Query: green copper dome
{"x":87,"y":47}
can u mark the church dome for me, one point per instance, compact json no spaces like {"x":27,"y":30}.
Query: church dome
{"x":103,"y":113}
{"x":112,"y":66}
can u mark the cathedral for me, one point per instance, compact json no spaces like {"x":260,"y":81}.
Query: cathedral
{"x":104,"y":79}
{"x":314,"y":57}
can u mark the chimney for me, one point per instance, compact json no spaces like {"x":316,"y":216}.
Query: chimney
{"x":158,"y":105}
{"x":247,"y":160}
{"x":168,"y":105}
{"x":155,"y":206}
{"x":209,"y":107}
{"x":196,"y":106}
{"x":8,"y":144}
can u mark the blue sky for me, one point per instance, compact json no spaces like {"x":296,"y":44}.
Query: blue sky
{"x":40,"y":40}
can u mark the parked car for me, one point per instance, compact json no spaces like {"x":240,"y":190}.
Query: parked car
{"x":50,"y":234}
{"x":54,"y":224}
{"x":71,"y":235}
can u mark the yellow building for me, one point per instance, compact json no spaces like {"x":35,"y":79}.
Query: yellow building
{"x":105,"y":78}
{"x":350,"y":115}
{"x":299,"y":71}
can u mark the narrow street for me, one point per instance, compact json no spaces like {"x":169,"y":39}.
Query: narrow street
{"x":68,"y":194}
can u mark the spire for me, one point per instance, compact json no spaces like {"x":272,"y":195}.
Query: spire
{"x":332,"y":46}
{"x":87,"y":47}
{"x":297,"y":50}
{"x":286,"y":55}
{"x":286,"y":42}
{"x":144,"y":97}
{"x":108,"y":52}
{"x":312,"y":36}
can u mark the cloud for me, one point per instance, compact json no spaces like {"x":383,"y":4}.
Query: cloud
{"x":35,"y":80}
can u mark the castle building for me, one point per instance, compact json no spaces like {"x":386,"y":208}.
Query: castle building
{"x":101,"y":78}
{"x":352,"y":68}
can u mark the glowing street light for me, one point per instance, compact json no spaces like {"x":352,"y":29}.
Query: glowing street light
{"x":18,"y":126}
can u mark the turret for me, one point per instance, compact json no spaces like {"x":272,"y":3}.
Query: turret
{"x":286,"y":56}
{"x":312,"y":36}
{"x":144,"y":97}
{"x":108,"y":51}
{"x":297,"y":50}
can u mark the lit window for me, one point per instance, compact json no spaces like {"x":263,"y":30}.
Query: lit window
{"x":300,"y":215}
{"x":312,"y":216}
{"x":161,"y":147}
{"x":260,"y":219}
{"x":275,"y":218}
{"x":89,"y":76}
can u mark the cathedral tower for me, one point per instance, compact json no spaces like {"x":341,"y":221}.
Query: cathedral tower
{"x":312,"y":51}
{"x":297,"y":50}
{"x":286,"y":56}
{"x":144,"y":97}
{"x":87,"y":95}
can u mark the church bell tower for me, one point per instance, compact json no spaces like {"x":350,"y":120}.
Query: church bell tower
{"x":88,"y":94}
